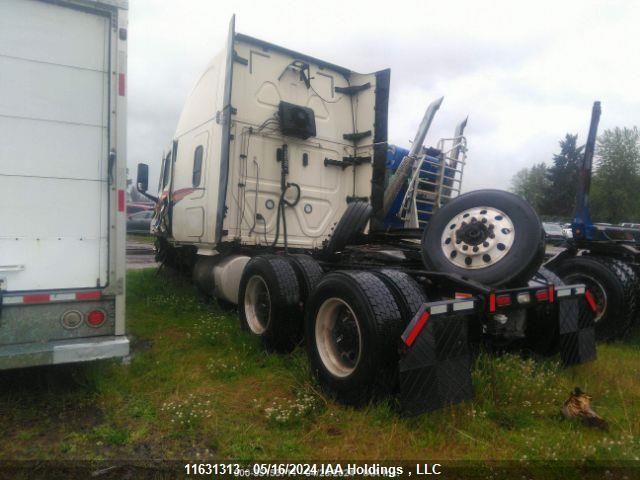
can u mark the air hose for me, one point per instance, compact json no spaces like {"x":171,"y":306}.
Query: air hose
{"x":283,"y":202}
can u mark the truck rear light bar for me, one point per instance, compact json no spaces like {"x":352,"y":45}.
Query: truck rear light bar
{"x":431,"y":310}
{"x":35,"y":298}
{"x":532,"y":295}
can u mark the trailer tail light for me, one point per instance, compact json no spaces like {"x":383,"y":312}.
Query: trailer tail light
{"x":552,"y":293}
{"x":71,"y":319}
{"x":96,"y":318}
{"x":542,"y":295}
{"x":504,"y":300}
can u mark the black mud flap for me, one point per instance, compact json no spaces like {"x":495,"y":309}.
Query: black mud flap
{"x":577,"y":326}
{"x":435,"y":369}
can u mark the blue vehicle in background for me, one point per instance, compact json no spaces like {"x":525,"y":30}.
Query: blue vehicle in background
{"x":606,"y":258}
{"x":435,"y":179}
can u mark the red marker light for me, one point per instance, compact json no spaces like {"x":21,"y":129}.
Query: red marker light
{"x":542,"y":295}
{"x":503,"y":300}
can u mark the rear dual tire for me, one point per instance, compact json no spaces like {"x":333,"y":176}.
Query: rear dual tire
{"x":352,"y":326}
{"x":269,"y":302}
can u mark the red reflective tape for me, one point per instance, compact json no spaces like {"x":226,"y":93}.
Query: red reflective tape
{"x":88,"y":296}
{"x":591,"y":301}
{"x":422,"y":321}
{"x":121,"y":84}
{"x":552,"y":293}
{"x":121,"y":200}
{"x":36,"y":298}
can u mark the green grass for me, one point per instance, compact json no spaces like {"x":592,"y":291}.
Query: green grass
{"x":197,"y":387}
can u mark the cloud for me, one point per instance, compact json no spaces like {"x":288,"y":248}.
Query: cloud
{"x":526,"y":74}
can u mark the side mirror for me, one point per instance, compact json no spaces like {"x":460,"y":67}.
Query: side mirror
{"x":142,"y":181}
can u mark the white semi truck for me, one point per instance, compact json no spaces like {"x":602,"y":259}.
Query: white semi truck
{"x":62,"y":181}
{"x":274,"y":193}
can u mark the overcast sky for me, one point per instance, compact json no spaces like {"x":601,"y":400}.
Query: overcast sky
{"x":525,"y":73}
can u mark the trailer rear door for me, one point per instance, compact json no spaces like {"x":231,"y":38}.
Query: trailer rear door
{"x":54,"y":145}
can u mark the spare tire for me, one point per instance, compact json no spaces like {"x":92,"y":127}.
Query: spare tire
{"x":490,"y":236}
{"x":351,"y":225}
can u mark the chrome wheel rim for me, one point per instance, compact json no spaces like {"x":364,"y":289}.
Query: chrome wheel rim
{"x":477,"y":238}
{"x":257,"y":305}
{"x":338,"y":337}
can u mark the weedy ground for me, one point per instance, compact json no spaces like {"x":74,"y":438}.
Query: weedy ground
{"x":196,"y":387}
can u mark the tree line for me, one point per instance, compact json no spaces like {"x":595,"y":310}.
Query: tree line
{"x":615,"y":184}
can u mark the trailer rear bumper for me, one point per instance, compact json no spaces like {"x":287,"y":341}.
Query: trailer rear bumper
{"x":65,"y":351}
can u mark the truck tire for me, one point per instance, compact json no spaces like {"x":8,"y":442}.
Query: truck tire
{"x":634,"y":278}
{"x":267,"y":302}
{"x":308,"y":272}
{"x":352,"y":327}
{"x":409,"y":296}
{"x":351,"y":224}
{"x":612,"y":288}
{"x":490,"y":236}
{"x":542,"y":334}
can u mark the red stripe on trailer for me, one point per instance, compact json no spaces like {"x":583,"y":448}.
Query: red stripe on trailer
{"x":422,"y":321}
{"x":591,"y":301}
{"x":88,"y":295}
{"x":121,"y":84}
{"x":121,"y":200}
{"x":552,"y":293}
{"x":492,"y":302}
{"x":36,"y":298}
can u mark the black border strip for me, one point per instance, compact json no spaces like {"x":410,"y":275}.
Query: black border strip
{"x":383,"y":81}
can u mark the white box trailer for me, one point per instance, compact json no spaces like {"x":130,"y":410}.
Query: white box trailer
{"x":62,"y":181}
